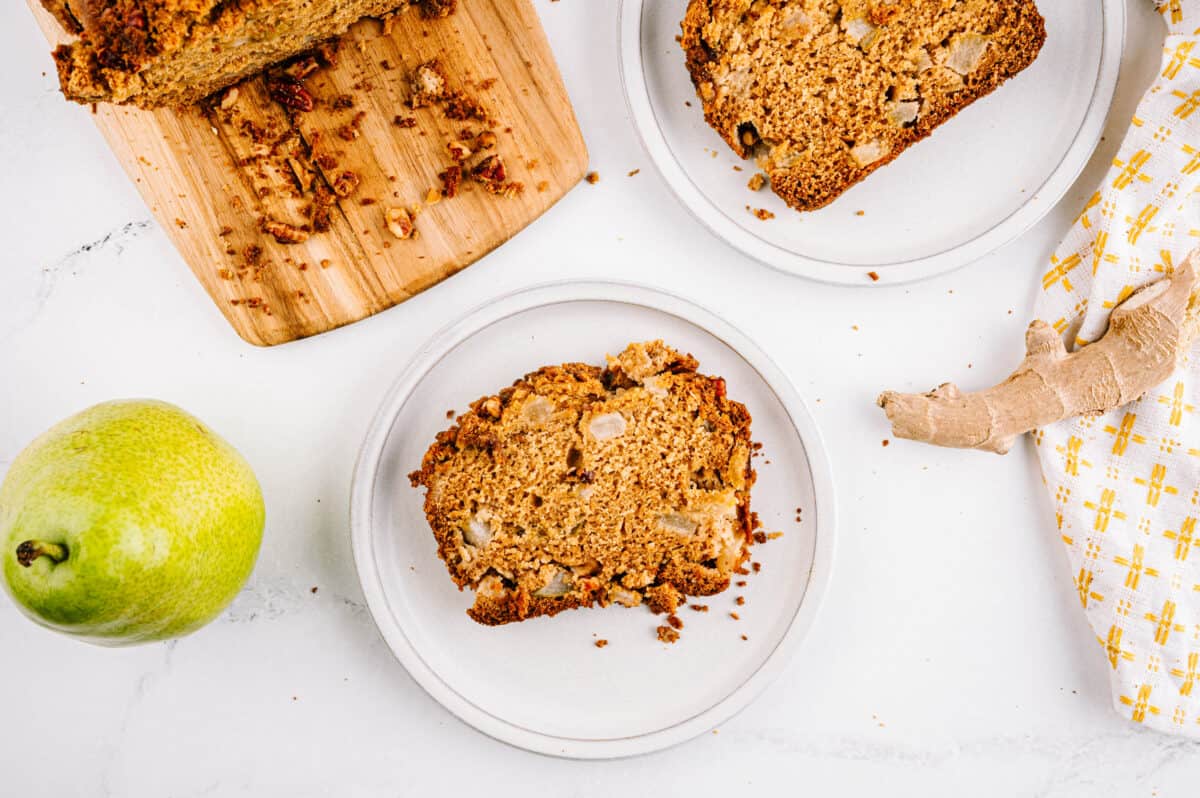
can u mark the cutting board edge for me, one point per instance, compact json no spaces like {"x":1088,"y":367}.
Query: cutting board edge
{"x":250,"y":334}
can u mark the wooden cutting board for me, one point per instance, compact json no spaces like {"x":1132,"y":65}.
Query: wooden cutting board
{"x":213,"y":176}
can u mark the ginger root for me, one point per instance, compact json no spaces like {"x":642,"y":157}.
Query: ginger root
{"x":1148,"y":335}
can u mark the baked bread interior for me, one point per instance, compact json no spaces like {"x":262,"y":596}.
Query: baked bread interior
{"x":824,"y":92}
{"x":582,"y":485}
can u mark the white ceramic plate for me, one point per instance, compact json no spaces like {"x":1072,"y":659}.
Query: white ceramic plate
{"x":980,"y":181}
{"x":542,"y":684}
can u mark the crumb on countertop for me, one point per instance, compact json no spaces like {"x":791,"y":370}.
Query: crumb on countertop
{"x":667,"y":635}
{"x":592,"y":177}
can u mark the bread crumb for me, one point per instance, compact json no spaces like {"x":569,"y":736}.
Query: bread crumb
{"x":735,"y":616}
{"x":633,"y":172}
{"x":592,"y":177}
{"x":675,"y":621}
{"x":757,"y":181}
{"x":740,"y":600}
{"x":886,"y":441}
{"x":601,"y":643}
{"x":874,"y":276}
{"x":761,"y":213}
{"x":699,"y":607}
{"x":667,"y":635}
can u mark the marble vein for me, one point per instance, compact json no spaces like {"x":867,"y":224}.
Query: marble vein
{"x":114,"y":239}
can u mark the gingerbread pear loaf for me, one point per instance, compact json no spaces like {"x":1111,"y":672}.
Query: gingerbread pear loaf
{"x":582,"y":486}
{"x":154,"y":53}
{"x":824,"y":92}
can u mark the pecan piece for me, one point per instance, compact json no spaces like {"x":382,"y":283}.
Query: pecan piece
{"x":290,"y":94}
{"x":450,"y":180}
{"x":284,"y":233}
{"x":346,"y":184}
{"x":490,"y":170}
{"x":460,"y":107}
{"x":459,"y":151}
{"x":300,"y":67}
{"x":320,"y":213}
{"x":428,"y":84}
{"x":400,"y":222}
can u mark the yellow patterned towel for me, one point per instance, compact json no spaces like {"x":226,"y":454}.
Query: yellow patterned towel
{"x":1126,"y":485}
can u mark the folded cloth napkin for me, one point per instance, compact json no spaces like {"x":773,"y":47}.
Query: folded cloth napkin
{"x":1126,"y":484}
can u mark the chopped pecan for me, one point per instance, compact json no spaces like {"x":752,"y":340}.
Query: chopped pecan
{"x":399,"y":222}
{"x":459,"y":151}
{"x":346,"y":183}
{"x":304,"y":174}
{"x":490,"y":170}
{"x":327,"y":52}
{"x":428,"y":84}
{"x":450,"y":180}
{"x":284,"y":233}
{"x":492,"y":175}
{"x":461,"y":107}
{"x":319,"y":213}
{"x":434,"y":9}
{"x":290,"y":94}
{"x":300,"y":67}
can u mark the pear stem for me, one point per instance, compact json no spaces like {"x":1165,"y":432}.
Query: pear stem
{"x":30,"y":550}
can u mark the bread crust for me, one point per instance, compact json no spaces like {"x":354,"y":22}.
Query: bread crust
{"x":819,"y":163}
{"x":154,"y":53}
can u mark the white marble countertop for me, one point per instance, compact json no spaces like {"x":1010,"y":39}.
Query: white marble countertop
{"x":950,"y":656}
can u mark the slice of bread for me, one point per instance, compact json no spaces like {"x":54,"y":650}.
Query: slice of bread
{"x":580,"y":485}
{"x":824,"y":92}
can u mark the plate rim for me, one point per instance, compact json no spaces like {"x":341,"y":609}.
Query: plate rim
{"x":544,"y":294}
{"x":1037,"y":205}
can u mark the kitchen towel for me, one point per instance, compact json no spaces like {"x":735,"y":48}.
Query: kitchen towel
{"x":1126,"y":484}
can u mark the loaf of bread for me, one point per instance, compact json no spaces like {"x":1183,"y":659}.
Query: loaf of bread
{"x":582,"y":485}
{"x":824,"y":92}
{"x":156,"y":53}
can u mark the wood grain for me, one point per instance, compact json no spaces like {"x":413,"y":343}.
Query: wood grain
{"x":211,"y":177}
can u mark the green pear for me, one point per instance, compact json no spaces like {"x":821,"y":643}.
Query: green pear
{"x":127,"y":523}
